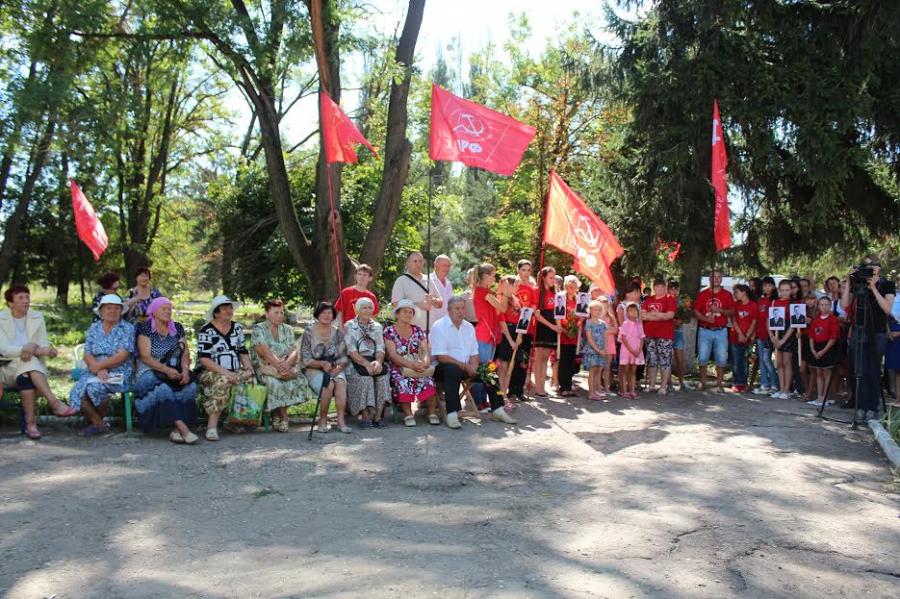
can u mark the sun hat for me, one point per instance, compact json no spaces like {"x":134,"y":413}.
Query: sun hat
{"x":110,"y":298}
{"x":220,"y":300}
{"x":404,"y":303}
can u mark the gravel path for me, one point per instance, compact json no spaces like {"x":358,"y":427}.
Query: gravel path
{"x":687,"y":496}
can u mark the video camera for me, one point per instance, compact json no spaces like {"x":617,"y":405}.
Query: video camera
{"x":859,"y":278}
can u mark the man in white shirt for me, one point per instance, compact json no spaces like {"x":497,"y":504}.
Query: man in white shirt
{"x":415,"y":286}
{"x":440,"y":282}
{"x":455,"y":352}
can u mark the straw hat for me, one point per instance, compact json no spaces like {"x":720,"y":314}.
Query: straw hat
{"x":220,"y":300}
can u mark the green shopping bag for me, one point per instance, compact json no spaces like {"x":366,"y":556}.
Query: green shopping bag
{"x":247,"y":404}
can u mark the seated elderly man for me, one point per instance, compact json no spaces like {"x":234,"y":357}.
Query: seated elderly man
{"x":455,"y":353}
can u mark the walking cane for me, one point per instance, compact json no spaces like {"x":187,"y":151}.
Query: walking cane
{"x":326,"y":380}
{"x":510,"y":366}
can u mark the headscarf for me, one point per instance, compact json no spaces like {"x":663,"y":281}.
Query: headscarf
{"x":151,"y":314}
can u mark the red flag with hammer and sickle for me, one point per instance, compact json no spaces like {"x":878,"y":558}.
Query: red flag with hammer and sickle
{"x":574,"y":228}
{"x":475,"y":135}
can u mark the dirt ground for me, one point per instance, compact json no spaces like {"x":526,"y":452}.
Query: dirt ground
{"x":693,"y":495}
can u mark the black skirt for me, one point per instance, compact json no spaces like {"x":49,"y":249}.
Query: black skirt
{"x":829,"y":360}
{"x":545,"y":336}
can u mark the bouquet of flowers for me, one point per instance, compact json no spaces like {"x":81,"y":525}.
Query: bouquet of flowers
{"x":487,"y":374}
{"x":571,"y":327}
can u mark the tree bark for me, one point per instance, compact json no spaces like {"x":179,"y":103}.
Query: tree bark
{"x":63,"y":225}
{"x":397,"y":148}
{"x":13,"y":229}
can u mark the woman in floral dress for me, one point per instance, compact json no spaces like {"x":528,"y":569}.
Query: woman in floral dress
{"x":407,"y":349}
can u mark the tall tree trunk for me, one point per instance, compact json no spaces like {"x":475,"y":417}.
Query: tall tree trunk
{"x":397,"y":149}
{"x":64,"y":235}
{"x":12,"y":140}
{"x":17,"y":219}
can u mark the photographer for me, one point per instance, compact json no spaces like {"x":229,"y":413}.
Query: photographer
{"x":876,"y":297}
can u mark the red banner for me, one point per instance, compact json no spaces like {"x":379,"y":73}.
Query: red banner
{"x":339,"y":133}
{"x":90,"y":229}
{"x":722,"y":229}
{"x":475,"y":135}
{"x":574,"y":228}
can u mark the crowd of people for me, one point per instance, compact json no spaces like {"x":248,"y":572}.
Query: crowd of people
{"x":505,"y":339}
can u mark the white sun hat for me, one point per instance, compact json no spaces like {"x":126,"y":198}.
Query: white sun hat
{"x":220,"y":300}
{"x":111,"y":298}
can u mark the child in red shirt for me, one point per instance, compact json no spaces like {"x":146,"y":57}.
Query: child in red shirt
{"x":345,"y":305}
{"x":741,"y":336}
{"x":824,"y":331}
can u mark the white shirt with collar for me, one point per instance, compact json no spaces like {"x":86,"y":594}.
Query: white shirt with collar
{"x":445,"y":291}
{"x":457,"y":342}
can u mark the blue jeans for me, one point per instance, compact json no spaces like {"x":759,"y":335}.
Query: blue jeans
{"x":739,"y":363}
{"x":715,"y":343}
{"x":870,"y":368}
{"x":485,"y":354}
{"x":768,"y":377}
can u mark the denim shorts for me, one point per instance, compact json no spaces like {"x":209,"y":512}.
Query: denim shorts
{"x":712,"y":342}
{"x":678,"y":343}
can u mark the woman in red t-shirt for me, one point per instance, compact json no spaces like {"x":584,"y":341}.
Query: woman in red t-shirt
{"x":488,"y":308}
{"x":741,"y":336}
{"x":823,"y":331}
{"x":546,"y":330}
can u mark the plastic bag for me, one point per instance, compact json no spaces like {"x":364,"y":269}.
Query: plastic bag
{"x":247,"y":404}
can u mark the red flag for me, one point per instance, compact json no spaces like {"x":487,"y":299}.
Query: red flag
{"x":722,"y":231}
{"x":573,"y":228}
{"x":475,"y":135}
{"x":339,"y":133}
{"x":90,"y":229}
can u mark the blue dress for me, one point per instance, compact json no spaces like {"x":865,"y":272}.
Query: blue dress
{"x":591,"y":358}
{"x":159,"y":403}
{"x":102,"y":345}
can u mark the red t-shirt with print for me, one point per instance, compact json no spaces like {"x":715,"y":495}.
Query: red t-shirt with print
{"x":660,"y":329}
{"x":706,"y":300}
{"x":745,"y":316}
{"x":824,"y":328}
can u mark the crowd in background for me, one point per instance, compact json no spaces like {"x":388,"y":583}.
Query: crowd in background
{"x":504,"y":339}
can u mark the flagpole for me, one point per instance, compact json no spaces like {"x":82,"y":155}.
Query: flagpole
{"x":542,"y":249}
{"x":428,"y":246}
{"x":334,"y":235}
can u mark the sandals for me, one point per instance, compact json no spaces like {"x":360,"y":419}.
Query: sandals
{"x":322,"y":428}
{"x":65,"y":412}
{"x":212,"y":434}
{"x":175,"y":437}
{"x":433,"y":419}
{"x":92,"y":431}
{"x":32,"y":432}
{"x":409,"y":421}
{"x":379,"y":424}
{"x":345,"y":429}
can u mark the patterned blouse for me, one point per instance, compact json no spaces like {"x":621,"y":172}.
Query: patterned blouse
{"x":104,"y":345}
{"x":357,"y":333}
{"x":138,"y":312}
{"x":225,"y":350}
{"x":160,"y":346}
{"x":280,"y":347}
{"x":312,"y":347}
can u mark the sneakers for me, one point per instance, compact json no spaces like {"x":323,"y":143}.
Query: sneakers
{"x":501,"y":415}
{"x":761,"y":390}
{"x":433,"y":419}
{"x":453,"y":420}
{"x":409,"y":421}
{"x":816,"y":403}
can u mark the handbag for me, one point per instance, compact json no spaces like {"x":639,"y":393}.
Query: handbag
{"x":172,"y":359}
{"x":369,"y":355}
{"x":246,"y":404}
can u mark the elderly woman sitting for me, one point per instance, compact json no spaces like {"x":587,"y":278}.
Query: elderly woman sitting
{"x":407,"y":348}
{"x":323,"y":353}
{"x":108,"y":353}
{"x":222,"y":353}
{"x":275,"y":355}
{"x":23,"y":348}
{"x":165,"y":394}
{"x":368,"y":386}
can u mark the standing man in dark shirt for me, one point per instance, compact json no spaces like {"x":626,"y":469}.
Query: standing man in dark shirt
{"x":872,"y":334}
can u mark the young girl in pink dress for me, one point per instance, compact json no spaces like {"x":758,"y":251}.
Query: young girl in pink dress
{"x":631,"y":354}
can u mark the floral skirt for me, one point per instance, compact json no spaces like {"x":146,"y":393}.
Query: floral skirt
{"x":216,"y":389}
{"x":283,"y":393}
{"x":366,"y":391}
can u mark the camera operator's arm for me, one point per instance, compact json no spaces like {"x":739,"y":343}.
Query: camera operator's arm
{"x":886,"y":302}
{"x":845,"y":290}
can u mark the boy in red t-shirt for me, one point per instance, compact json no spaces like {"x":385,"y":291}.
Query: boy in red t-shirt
{"x":713,"y":308}
{"x":823,"y":331}
{"x":345,"y":306}
{"x":658,"y":315}
{"x":741,"y":336}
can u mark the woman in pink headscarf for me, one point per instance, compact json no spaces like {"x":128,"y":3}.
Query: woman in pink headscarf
{"x":165,"y":394}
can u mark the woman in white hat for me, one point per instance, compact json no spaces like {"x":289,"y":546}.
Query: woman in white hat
{"x":223,"y":356}
{"x":24,"y":347}
{"x":108,"y":352}
{"x":407,"y":348}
